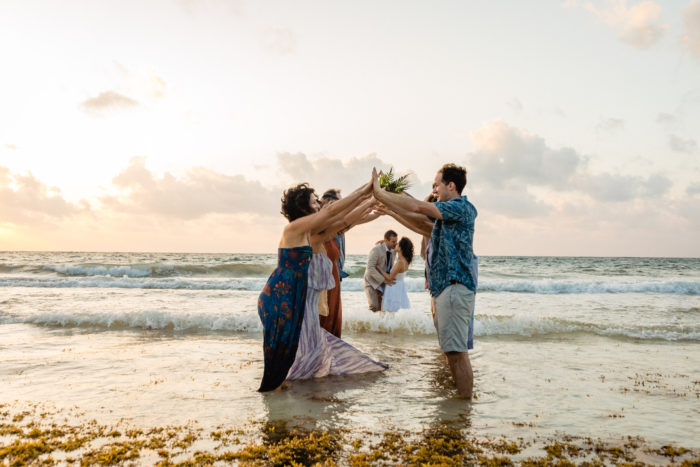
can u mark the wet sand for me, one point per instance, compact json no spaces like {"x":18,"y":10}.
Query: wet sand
{"x":34,"y":434}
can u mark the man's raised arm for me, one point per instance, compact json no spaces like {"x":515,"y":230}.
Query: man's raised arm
{"x":416,"y":222}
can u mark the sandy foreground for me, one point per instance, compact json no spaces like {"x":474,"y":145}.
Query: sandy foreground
{"x":33,"y":434}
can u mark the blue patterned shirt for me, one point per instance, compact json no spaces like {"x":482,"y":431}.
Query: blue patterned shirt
{"x":452,"y":238}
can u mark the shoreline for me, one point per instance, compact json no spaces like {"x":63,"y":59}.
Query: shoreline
{"x":33,"y":434}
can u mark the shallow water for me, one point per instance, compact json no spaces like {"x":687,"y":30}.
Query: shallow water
{"x":583,"y":361}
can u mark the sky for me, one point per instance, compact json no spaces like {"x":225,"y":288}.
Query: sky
{"x":176,"y":125}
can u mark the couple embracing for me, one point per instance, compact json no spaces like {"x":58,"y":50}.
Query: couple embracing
{"x":384,"y":276}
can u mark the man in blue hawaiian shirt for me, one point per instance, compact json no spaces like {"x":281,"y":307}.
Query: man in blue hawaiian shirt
{"x":452,"y":281}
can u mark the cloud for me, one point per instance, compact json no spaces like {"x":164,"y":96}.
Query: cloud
{"x":638,"y":25}
{"x":347,"y":174}
{"x":678,"y":144}
{"x":609,"y":126}
{"x":129,"y":90}
{"x":505,"y":153}
{"x":280,"y":41}
{"x":516,"y":173}
{"x":199,"y":192}
{"x":157,"y":85}
{"x":322,"y":171}
{"x":616,"y":188}
{"x":513,"y":201}
{"x":11,"y":146}
{"x":145,"y":84}
{"x":691,"y":28}
{"x":296,"y":165}
{"x":693,"y":189}
{"x":665,"y":118}
{"x":204,"y":210}
{"x":26,"y":200}
{"x":108,"y":100}
{"x":515,"y":105}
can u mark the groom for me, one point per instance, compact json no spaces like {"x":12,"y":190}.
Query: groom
{"x":452,"y":280}
{"x":382,"y":256}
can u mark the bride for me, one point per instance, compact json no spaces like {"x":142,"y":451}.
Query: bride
{"x":395,"y":296}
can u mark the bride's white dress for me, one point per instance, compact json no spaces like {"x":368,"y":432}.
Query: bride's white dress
{"x":395,"y":296}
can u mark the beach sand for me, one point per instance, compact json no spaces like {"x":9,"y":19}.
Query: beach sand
{"x":37,"y":435}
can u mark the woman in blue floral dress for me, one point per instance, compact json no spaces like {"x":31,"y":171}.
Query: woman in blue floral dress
{"x":282,"y":301}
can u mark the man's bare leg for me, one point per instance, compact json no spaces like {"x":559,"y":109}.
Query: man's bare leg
{"x":461,"y":368}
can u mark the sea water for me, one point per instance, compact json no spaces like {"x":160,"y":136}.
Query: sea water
{"x":601,"y":347}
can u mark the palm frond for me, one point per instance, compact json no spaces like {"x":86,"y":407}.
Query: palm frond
{"x":394,"y":184}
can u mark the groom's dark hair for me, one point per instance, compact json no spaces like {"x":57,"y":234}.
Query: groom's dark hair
{"x":390,"y":233}
{"x":295,"y":201}
{"x":454,"y":173}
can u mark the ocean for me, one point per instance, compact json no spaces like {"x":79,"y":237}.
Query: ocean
{"x":600,"y":347}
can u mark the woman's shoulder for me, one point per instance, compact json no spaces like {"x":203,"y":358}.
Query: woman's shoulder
{"x":402,"y":264}
{"x":293,"y":236}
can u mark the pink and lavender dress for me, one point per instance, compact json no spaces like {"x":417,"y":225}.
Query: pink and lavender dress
{"x":320,"y":353}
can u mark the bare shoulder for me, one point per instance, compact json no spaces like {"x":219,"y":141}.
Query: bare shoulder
{"x":292,"y":236}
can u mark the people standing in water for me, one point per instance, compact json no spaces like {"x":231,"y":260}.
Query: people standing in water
{"x":395,"y":295}
{"x":332,"y":318}
{"x":330,"y":195}
{"x":330,"y":304}
{"x":424,"y":225}
{"x":283,"y":302}
{"x":380,"y":256}
{"x":320,"y":352}
{"x":451,"y":275}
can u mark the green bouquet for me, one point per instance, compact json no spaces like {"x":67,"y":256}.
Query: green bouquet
{"x":394,"y":184}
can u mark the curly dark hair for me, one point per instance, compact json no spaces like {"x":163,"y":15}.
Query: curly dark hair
{"x":454,"y":173}
{"x":296,"y":200}
{"x":406,"y":247}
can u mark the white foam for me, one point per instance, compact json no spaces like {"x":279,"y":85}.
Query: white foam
{"x":254,"y":284}
{"x":504,"y":325}
{"x":111,"y":270}
{"x":551,"y":286}
{"x":413,"y":284}
{"x":411,"y":322}
{"x":146,"y":320}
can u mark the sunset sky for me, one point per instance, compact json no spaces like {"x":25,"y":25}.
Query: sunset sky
{"x":176,"y":125}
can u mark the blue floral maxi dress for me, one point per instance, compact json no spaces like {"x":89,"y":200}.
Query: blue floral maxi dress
{"x":281,"y":310}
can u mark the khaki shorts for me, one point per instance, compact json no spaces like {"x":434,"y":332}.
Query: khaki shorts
{"x":452,"y":313}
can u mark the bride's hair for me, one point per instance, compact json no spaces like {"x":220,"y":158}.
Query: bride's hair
{"x":296,"y":201}
{"x":406,"y":247}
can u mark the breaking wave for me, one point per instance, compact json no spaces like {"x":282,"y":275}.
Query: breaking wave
{"x":410,"y":322}
{"x":241,"y":281}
